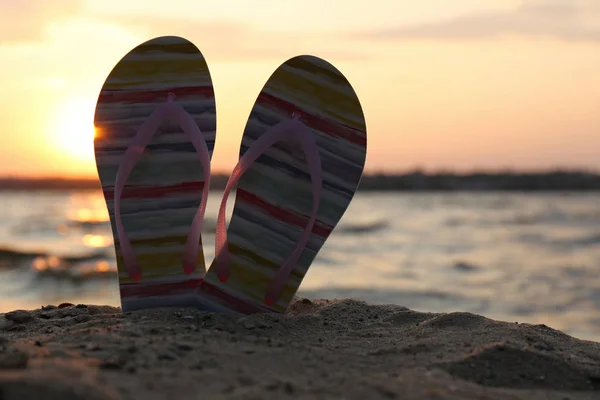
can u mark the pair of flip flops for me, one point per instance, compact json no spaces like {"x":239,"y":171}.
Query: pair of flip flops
{"x":301,"y":159}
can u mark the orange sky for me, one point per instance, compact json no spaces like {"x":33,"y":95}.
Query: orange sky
{"x":467,"y":84}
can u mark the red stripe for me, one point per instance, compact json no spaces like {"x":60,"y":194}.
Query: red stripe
{"x":353,"y":135}
{"x":161,"y":289}
{"x":289,"y":217}
{"x":152,"y":96}
{"x":230,"y":301}
{"x":133,"y":192}
{"x":147,"y":290}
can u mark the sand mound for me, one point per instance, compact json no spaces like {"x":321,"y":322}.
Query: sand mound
{"x":505,"y":365}
{"x":320,"y":349}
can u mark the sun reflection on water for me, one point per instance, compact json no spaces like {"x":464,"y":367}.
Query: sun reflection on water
{"x":45,"y":263}
{"x":96,"y":241}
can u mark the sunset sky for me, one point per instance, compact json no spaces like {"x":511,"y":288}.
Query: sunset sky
{"x":459,"y":85}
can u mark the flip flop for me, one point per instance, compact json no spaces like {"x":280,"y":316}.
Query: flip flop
{"x":301,"y":160}
{"x":155,"y":131}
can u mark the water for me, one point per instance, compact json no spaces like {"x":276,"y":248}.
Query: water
{"x":516,"y":257}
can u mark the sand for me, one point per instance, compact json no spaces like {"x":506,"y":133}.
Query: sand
{"x":320,"y":349}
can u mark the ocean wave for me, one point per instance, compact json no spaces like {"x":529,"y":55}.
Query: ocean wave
{"x":554,"y":217}
{"x":70,"y":267}
{"x":546,"y":240}
{"x":363,"y":227}
{"x":591,"y":240}
{"x":10,"y":258}
{"x":463,"y":266}
{"x":46,"y":227}
{"x":74,"y":268}
{"x":53,"y":228}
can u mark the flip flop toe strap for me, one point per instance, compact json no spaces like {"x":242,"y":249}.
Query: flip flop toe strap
{"x":168,"y":110}
{"x":297,"y":130}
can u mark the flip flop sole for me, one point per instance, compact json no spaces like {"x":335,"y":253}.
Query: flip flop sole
{"x":164,"y":190}
{"x":274,"y":197}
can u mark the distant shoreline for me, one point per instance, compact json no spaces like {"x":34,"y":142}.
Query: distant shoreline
{"x":414,"y":181}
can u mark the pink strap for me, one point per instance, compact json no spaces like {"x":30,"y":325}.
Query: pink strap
{"x":132,"y":156}
{"x":300,"y":132}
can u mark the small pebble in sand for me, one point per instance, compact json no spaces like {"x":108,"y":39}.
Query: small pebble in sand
{"x":112,"y":364}
{"x":19,"y":316}
{"x":92,"y":347}
{"x":246,"y":323}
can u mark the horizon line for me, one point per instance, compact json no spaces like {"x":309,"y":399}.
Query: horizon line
{"x":399,"y":172}
{"x":373,"y":172}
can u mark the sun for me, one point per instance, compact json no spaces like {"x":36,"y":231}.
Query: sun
{"x":73,"y":132}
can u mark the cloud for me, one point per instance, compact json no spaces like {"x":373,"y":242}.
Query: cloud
{"x":26,"y":20}
{"x":228,"y":40}
{"x":572,"y":20}
{"x":74,"y":54}
{"x":35,"y":23}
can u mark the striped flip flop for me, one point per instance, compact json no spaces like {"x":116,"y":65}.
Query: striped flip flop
{"x":301,"y":159}
{"x":155,"y":131}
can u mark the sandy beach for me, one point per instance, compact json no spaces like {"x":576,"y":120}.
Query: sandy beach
{"x":319,"y":349}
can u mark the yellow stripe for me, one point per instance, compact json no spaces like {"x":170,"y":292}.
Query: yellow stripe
{"x":160,"y":264}
{"x":335,"y":103}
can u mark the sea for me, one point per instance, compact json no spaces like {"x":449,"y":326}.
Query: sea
{"x":517,"y":257}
